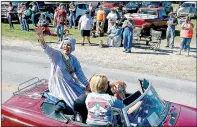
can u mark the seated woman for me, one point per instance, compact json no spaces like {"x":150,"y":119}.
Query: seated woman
{"x":44,"y":25}
{"x":99,"y":103}
{"x":114,"y":39}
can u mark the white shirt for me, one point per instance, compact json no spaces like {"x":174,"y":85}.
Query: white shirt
{"x":86,"y":23}
{"x":112,"y":16}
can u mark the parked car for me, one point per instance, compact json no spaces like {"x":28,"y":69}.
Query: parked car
{"x":188,"y":9}
{"x":131,"y":7}
{"x":81,"y":8}
{"x":32,"y":105}
{"x":4,"y":6}
{"x":156,"y":4}
{"x":112,"y":4}
{"x":149,"y":18}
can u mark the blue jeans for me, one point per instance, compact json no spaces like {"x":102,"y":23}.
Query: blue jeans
{"x":33,"y":19}
{"x":60,"y":31}
{"x":170,"y":33}
{"x":21,"y":22}
{"x":185,"y":43}
{"x":127,"y":39}
{"x":72,"y":18}
{"x":25,"y":25}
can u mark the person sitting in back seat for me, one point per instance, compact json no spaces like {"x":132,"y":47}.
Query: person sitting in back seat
{"x":99,"y":103}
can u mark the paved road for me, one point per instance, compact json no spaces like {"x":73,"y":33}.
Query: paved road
{"x":19,"y":65}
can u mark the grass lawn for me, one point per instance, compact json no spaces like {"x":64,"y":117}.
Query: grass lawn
{"x":18,"y":34}
{"x":30,"y":36}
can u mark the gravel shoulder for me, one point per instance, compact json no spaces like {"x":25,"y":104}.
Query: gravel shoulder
{"x":164,"y":63}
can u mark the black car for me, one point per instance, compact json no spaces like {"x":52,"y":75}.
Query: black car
{"x":4,"y":11}
{"x":131,"y":7}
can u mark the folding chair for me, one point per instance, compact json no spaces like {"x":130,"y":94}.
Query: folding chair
{"x":155,"y":40}
{"x":136,"y":35}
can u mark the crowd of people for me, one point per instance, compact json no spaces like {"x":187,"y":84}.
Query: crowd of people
{"x":67,"y":80}
{"x":65,"y":17}
{"x":77,"y":91}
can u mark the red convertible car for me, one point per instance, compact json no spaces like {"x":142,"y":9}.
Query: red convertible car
{"x":32,"y":105}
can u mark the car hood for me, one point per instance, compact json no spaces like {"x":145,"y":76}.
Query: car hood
{"x":187,"y":116}
{"x":184,"y":9}
{"x":180,"y":115}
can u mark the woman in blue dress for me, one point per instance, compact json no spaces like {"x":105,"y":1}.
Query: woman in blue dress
{"x":128,"y":27}
{"x":67,"y":80}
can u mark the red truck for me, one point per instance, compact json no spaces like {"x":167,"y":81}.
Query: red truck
{"x":149,"y":18}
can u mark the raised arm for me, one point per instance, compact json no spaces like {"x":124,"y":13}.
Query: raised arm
{"x":51,"y":52}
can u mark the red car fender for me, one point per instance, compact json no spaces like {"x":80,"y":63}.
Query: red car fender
{"x":146,"y":25}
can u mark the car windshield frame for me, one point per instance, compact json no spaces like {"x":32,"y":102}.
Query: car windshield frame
{"x":188,"y":5}
{"x":134,"y":3}
{"x":151,"y":117}
{"x":148,"y":10}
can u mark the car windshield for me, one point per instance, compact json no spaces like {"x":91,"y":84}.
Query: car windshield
{"x":150,"y":110}
{"x":156,"y":4}
{"x":133,"y":3}
{"x":162,"y":13}
{"x":166,"y":3}
{"x":14,"y":3}
{"x":188,"y":5}
{"x":145,"y":11}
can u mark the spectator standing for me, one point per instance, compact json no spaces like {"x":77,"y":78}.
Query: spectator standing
{"x":172,"y":22}
{"x":186,"y":35}
{"x":100,"y":21}
{"x":57,"y":8}
{"x":34,"y":10}
{"x":128,"y":26}
{"x":60,"y":21}
{"x":72,"y":16}
{"x":90,"y":7}
{"x":26,"y":15}
{"x":10,"y":15}
{"x":20,"y":13}
{"x":92,"y":13}
{"x":112,"y":18}
{"x":85,"y":25}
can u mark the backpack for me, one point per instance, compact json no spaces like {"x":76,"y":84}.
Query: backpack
{"x":60,"y":16}
{"x":28,"y":13}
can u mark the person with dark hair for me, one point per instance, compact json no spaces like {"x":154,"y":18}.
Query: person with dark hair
{"x":186,"y":35}
{"x":85,"y":25}
{"x":10,"y":15}
{"x":59,"y":21}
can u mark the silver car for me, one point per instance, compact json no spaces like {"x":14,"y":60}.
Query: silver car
{"x":187,"y":9}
